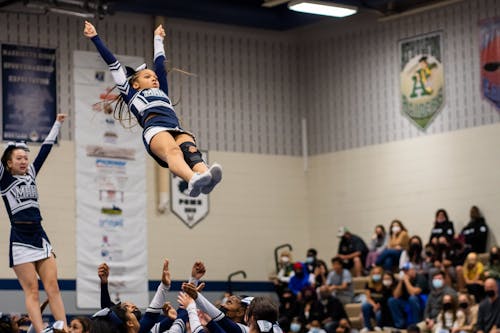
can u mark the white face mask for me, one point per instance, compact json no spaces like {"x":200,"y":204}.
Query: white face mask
{"x":387,"y":283}
{"x":285,"y":259}
{"x":395,"y":229}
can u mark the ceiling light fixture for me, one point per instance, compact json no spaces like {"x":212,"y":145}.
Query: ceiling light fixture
{"x":322,"y":8}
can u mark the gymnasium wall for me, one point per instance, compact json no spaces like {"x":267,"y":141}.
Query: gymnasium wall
{"x":367,"y":165}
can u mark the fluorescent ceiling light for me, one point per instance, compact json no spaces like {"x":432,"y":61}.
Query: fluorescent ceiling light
{"x":322,"y":8}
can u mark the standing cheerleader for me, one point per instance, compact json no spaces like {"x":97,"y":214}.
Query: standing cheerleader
{"x":30,"y":250}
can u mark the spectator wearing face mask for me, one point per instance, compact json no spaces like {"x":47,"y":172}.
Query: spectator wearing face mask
{"x":300,"y":279}
{"x":289,"y":309}
{"x":469,"y":309}
{"x":407,"y":294}
{"x":488,"y":316}
{"x":377,"y":245}
{"x":296,"y":326}
{"x":442,"y":227}
{"x":285,"y":272}
{"x":377,"y":295}
{"x":310,"y":308}
{"x":450,"y":317}
{"x":475,"y":233}
{"x":473,"y":276}
{"x":334,"y":310}
{"x":414,"y":255}
{"x":398,"y":241}
{"x":449,"y":258}
{"x":311,"y":258}
{"x":352,"y":250}
{"x":434,"y":304}
{"x":493,"y":268}
{"x":315,"y":327}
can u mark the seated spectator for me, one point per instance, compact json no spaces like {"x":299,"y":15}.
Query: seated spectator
{"x":334,"y":310}
{"x":473,"y":276}
{"x":315,"y":327}
{"x":345,"y":326}
{"x":296,"y":326}
{"x":475,"y":233}
{"x":311,"y":258}
{"x":300,"y":279}
{"x":352,"y":251}
{"x":339,"y":282}
{"x":285,"y":272}
{"x":488,"y":316}
{"x":434,"y":303}
{"x":398,"y":241}
{"x":407,"y":294}
{"x":469,"y":309}
{"x":310,"y":308}
{"x":450,"y":317}
{"x":377,"y":295}
{"x":377,"y":245}
{"x":289,"y":309}
{"x":442,"y":227}
{"x":390,"y":284}
{"x":493,"y":268}
{"x":448,"y":258}
{"x":414,"y":255}
{"x":320,"y":274}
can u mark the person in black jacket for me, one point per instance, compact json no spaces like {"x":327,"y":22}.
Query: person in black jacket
{"x":352,"y":250}
{"x":475,"y":233}
{"x":442,"y":227}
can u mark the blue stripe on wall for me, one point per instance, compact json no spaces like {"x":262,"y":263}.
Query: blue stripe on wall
{"x":70,"y":285}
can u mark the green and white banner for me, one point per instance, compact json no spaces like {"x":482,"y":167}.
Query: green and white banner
{"x":422,"y":78}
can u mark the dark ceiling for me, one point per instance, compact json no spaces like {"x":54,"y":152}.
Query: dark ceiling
{"x":249,"y":13}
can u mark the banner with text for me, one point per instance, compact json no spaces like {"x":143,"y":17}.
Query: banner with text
{"x":110,"y":189}
{"x":29,"y":92}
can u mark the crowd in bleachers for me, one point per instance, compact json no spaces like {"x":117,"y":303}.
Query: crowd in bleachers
{"x":448,"y":284}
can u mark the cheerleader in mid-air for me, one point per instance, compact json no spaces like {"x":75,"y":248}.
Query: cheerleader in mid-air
{"x":144,"y":92}
{"x":30,"y":250}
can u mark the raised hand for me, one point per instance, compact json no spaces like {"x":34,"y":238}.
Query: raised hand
{"x":169,"y":310}
{"x":184,"y":300}
{"x":159,"y":31}
{"x":103,"y":272}
{"x":190,"y":289}
{"x":198,"y":270}
{"x":61,"y":117}
{"x":165,"y":276}
{"x":89,"y":30}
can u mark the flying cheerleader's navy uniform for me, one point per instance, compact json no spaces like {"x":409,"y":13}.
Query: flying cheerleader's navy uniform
{"x":146,"y":102}
{"x":28,"y":240}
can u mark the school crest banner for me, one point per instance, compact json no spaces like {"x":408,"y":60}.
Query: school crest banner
{"x":110,"y":189}
{"x":421,"y":78}
{"x":490,"y":60}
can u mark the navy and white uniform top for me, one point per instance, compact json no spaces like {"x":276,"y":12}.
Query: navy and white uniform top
{"x":19,"y":192}
{"x":143,"y":102}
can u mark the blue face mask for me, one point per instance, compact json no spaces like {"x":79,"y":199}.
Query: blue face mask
{"x":295,"y":327}
{"x":437,"y":283}
{"x":310,"y":260}
{"x":376,"y":277}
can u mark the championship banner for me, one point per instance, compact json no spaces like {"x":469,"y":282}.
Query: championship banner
{"x":110,"y":189}
{"x":29,"y":92}
{"x":490,"y":60}
{"x":422,"y":78}
{"x":190,"y":210}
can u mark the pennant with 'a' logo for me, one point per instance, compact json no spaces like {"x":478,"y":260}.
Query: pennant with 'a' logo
{"x":422,"y":78}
